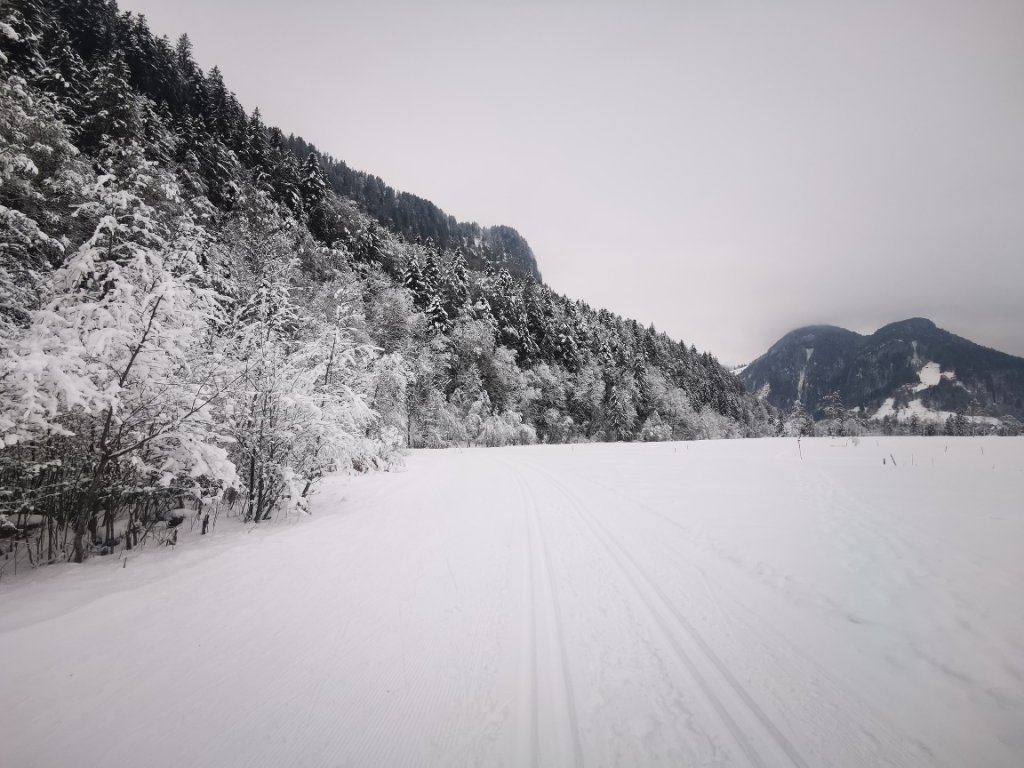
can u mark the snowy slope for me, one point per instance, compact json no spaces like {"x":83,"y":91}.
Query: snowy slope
{"x":930,"y":375}
{"x":717,"y":603}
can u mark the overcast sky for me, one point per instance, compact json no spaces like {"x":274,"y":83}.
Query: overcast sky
{"x":725,"y":170}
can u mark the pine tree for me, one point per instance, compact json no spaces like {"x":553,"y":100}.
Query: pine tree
{"x":158,"y":137}
{"x":457,"y":284}
{"x":414,"y":282}
{"x":41,"y":177}
{"x":255,"y":151}
{"x":63,"y":73}
{"x":437,"y":316}
{"x":224,"y":118}
{"x":313,"y":187}
{"x":141,"y":53}
{"x":432,"y":271}
{"x":92,"y":26}
{"x":112,"y":111}
{"x":284,"y":173}
{"x":22,"y":28}
{"x":186,"y":86}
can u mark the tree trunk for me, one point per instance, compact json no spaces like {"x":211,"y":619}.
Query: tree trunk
{"x":85,"y":519}
{"x":252,"y":486}
{"x":78,"y":543}
{"x":108,"y":525}
{"x":260,"y":499}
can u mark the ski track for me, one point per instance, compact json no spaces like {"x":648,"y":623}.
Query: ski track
{"x":712,"y":604}
{"x":530,"y":699}
{"x":548,"y":636}
{"x":752,"y":731}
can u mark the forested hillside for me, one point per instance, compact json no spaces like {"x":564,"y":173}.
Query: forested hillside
{"x":194,"y":305}
{"x":906,"y":376}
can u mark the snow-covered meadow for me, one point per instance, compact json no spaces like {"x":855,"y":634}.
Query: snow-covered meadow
{"x":748,"y":603}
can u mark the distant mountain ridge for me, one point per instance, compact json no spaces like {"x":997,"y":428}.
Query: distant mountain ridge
{"x":902,"y":369}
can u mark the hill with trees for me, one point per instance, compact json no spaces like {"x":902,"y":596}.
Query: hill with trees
{"x":198,"y":310}
{"x":905,"y":371}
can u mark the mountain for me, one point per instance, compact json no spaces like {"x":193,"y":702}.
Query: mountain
{"x":905,"y":368}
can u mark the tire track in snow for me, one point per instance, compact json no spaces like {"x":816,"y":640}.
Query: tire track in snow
{"x":757,"y":737}
{"x":543,"y":592}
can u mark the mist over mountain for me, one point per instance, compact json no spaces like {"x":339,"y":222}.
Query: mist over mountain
{"x":902,"y":369}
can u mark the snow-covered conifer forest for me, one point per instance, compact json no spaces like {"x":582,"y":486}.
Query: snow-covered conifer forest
{"x":199,"y":310}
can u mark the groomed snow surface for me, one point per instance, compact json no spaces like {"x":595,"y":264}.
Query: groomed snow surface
{"x":715,"y":603}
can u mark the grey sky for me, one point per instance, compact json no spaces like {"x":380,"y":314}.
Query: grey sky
{"x":725,"y":170}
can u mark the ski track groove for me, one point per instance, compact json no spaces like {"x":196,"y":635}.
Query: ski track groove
{"x":530,"y":637}
{"x":537,"y":545}
{"x":771,"y":735}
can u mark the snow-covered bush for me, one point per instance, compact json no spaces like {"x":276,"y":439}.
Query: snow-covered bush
{"x":117,"y":352}
{"x":506,"y":428}
{"x":654,"y":429}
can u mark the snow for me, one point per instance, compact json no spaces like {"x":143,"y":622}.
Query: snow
{"x":809,"y":351}
{"x":887,"y":409}
{"x":923,"y":413}
{"x":735,"y":603}
{"x":930,"y":375}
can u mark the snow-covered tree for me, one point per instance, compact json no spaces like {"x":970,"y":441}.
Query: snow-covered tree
{"x":113,"y":112}
{"x":116,"y":351}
